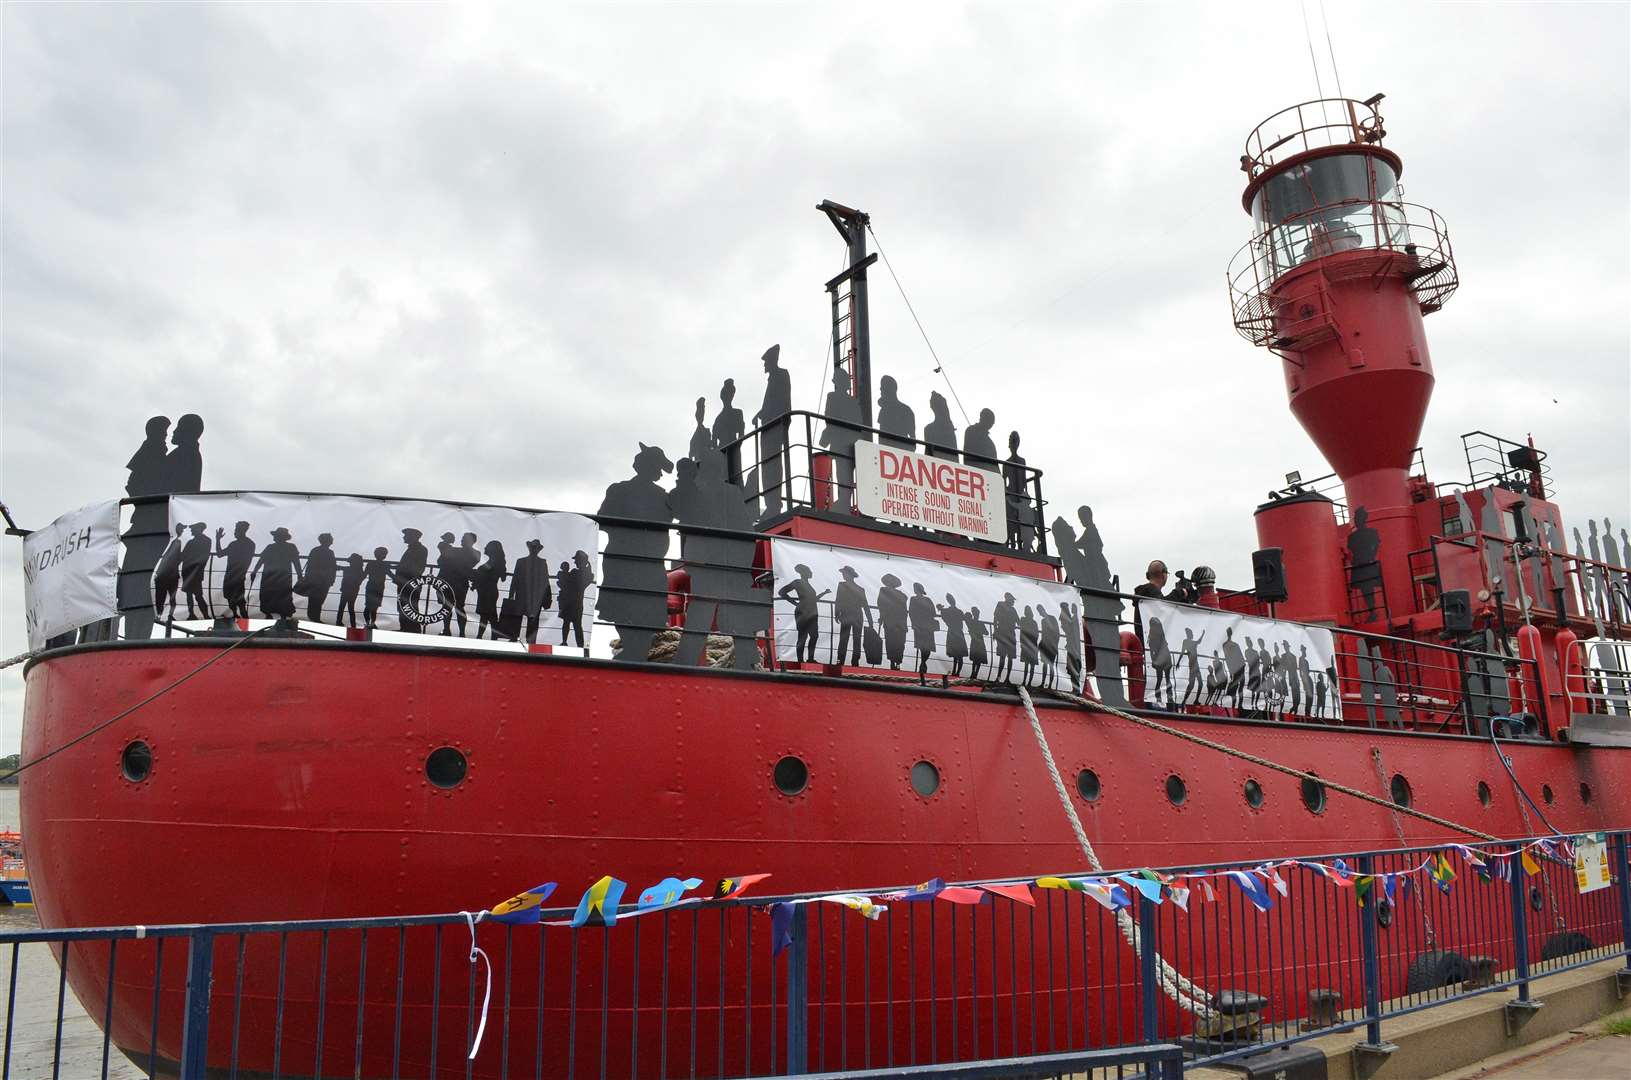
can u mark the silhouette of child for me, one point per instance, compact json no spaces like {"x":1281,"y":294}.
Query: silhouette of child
{"x":377,"y":573}
{"x":350,"y":584}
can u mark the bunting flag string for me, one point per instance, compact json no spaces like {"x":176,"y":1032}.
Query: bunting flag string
{"x":1260,"y":885}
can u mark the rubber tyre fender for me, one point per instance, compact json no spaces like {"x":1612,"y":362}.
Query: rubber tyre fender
{"x":1435,"y":970}
{"x":1565,"y":943}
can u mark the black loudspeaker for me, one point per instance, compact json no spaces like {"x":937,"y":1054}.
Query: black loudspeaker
{"x":1269,"y":575}
{"x":1457,"y":607}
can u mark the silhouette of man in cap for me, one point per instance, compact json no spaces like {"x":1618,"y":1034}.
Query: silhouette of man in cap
{"x":415,"y":557}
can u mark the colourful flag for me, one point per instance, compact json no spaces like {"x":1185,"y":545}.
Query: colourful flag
{"x":665,"y":892}
{"x":1442,"y":873}
{"x":599,"y":904}
{"x":962,"y":894}
{"x":1255,"y":890}
{"x":1338,"y":874}
{"x":781,"y":928}
{"x":522,"y":909}
{"x":1388,"y":881}
{"x":856,"y":902}
{"x":1108,"y":894}
{"x":1206,"y":890}
{"x":732,"y":887}
{"x":1362,"y":885}
{"x":1278,"y":882}
{"x":926,"y":890}
{"x":1018,"y":892}
{"x":1501,"y":869}
{"x":1073,"y":884}
{"x":1530,"y":866}
{"x":1180,"y":896}
{"x":1150,"y":890}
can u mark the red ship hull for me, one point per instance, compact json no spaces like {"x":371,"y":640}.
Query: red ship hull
{"x":286,"y":785}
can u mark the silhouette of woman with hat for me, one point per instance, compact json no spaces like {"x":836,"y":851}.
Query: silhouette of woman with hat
{"x":806,"y":613}
{"x":892,"y":616}
{"x":634,"y":596}
{"x":281,"y":562}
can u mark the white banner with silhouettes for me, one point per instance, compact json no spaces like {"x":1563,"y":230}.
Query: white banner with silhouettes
{"x":415,"y":567}
{"x":1197,"y":655}
{"x":858,"y":608}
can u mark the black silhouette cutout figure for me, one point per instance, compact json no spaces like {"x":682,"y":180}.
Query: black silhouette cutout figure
{"x":350,"y":585}
{"x":1017,"y":495}
{"x":529,"y":587}
{"x":953,"y":619}
{"x":280,"y":562}
{"x":772,"y":419}
{"x":940,"y":434}
{"x":895,"y":418}
{"x":842,"y":409}
{"x":850,"y":609}
{"x":721,"y":566}
{"x":728,"y":430}
{"x":1234,"y":662}
{"x":1048,"y":647}
{"x":486,"y":579}
{"x":1365,"y":574}
{"x":892,"y":617}
{"x":1070,"y":622}
{"x":1160,"y":657}
{"x":167,"y":577}
{"x":1030,"y":641}
{"x":1086,"y":567}
{"x":976,"y":642}
{"x":1601,"y":586}
{"x":1305,"y":675}
{"x":239,"y":554}
{"x":634,"y":597}
{"x":924,"y":625}
{"x":184,"y":465}
{"x":574,"y":581}
{"x":1190,"y":648}
{"x":321,"y":569}
{"x":377,"y":573}
{"x":148,"y":537}
{"x":1387,"y":691}
{"x":702,"y":438}
{"x":415,"y":557}
{"x":806,"y":612}
{"x":978,"y":448}
{"x":453,"y":565}
{"x":1005,"y":633}
{"x":1611,"y":555}
{"x":195,"y":561}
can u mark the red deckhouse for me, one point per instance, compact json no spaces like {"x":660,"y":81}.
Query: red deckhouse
{"x":857,"y":724}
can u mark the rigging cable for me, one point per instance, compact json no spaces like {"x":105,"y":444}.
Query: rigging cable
{"x":82,"y":736}
{"x":1308,"y":36}
{"x":940,"y":368}
{"x":1332,"y":50}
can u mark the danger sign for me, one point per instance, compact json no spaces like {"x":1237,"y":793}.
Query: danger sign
{"x":912,"y":489}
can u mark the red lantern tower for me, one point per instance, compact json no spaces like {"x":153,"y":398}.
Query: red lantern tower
{"x":1335,"y":281}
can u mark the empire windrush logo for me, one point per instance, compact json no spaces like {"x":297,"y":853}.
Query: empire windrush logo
{"x":425,"y":599}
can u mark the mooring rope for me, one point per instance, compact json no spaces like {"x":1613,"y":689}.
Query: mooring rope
{"x":15,"y":660}
{"x":1186,"y":994}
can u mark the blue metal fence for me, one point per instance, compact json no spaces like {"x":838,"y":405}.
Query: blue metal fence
{"x":928,"y":988}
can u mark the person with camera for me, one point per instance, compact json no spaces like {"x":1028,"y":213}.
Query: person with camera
{"x":1155,"y":580}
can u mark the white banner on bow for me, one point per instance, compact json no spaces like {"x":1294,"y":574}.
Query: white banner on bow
{"x":914,"y":614}
{"x":418,"y":567}
{"x":71,"y":572}
{"x":1197,"y":655}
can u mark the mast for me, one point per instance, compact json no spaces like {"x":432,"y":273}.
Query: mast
{"x":851,"y":336}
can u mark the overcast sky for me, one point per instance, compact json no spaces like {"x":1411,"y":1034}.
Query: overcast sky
{"x":478,"y":254}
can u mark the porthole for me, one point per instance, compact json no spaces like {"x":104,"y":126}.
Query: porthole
{"x":1400,"y":790}
{"x":1254,"y":794}
{"x":925,"y":778}
{"x":1585,"y":792}
{"x":791,"y":775}
{"x":1546,"y":794}
{"x":1484,"y":796}
{"x":1313,"y":796}
{"x":136,"y":762}
{"x":1177,"y":790}
{"x":1087,"y":785}
{"x":446,"y":767}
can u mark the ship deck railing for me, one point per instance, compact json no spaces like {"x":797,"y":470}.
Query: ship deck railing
{"x":791,"y":984}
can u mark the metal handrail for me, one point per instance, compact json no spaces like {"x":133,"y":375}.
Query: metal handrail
{"x":1419,"y":236}
{"x":1356,"y":122}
